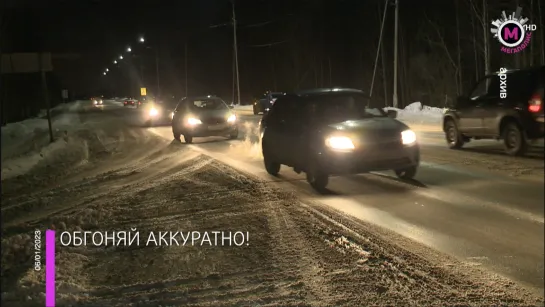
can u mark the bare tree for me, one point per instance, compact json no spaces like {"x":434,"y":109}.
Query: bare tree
{"x":445,"y":48}
{"x":459,"y":52}
{"x":474,"y":39}
{"x":532,"y":45}
{"x":482,"y":17}
{"x":542,"y":24}
{"x":486,"y":37}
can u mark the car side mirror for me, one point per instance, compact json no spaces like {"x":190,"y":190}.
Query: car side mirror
{"x":392,"y":113}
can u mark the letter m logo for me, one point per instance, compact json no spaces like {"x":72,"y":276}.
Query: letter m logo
{"x":507,"y":34}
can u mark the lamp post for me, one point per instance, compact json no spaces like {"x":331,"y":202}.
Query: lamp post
{"x":142,"y":40}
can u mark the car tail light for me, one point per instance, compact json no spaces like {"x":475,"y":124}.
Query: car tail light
{"x":535,"y":104}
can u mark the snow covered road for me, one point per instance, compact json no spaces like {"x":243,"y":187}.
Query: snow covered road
{"x":349,"y":248}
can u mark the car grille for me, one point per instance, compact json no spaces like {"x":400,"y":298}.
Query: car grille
{"x":389,"y":145}
{"x":214,"y":120}
{"x":381,"y":145}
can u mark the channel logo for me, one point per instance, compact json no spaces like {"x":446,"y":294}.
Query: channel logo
{"x":513,"y":32}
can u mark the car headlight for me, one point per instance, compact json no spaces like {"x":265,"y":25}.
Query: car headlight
{"x":95,"y":102}
{"x":340,"y":143}
{"x":408,"y":137}
{"x":232,"y":118}
{"x":153,"y":112}
{"x":194,"y":121}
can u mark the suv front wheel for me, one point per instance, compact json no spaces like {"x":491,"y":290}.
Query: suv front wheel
{"x":272,"y":167}
{"x":454,"y":138}
{"x":317,"y":178}
{"x":514,"y":140}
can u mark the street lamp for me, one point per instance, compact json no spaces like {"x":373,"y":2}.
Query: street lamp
{"x":129,"y":49}
{"x":115,"y":61}
{"x":142,"y":40}
{"x":107,"y":69}
{"x":104,"y":73}
{"x":121,"y":57}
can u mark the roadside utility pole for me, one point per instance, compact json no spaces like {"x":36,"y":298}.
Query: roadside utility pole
{"x":235,"y":47}
{"x":46,"y":96}
{"x":378,"y":49}
{"x":157,"y":70}
{"x":185,"y":64}
{"x":395,"y":102}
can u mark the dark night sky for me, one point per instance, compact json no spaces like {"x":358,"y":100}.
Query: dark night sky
{"x":343,"y":32}
{"x":100,"y":30}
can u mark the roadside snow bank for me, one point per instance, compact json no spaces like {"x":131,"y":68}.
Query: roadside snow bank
{"x":416,"y":113}
{"x":244,"y":107}
{"x":73,"y":106}
{"x":79,"y":139}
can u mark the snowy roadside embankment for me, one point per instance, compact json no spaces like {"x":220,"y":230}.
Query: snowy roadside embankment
{"x":79,"y":140}
{"x":73,"y":106}
{"x":416,"y":114}
{"x":244,"y":107}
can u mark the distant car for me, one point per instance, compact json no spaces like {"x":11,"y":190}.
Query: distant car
{"x":132,"y":102}
{"x":325,"y":132}
{"x":158,"y":112}
{"x":202,"y":117}
{"x":264,"y":103}
{"x":96,"y":100}
{"x":510,"y":108}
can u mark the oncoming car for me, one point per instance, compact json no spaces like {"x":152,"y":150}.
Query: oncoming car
{"x":96,"y":100}
{"x":202,"y":117}
{"x":263,"y":104}
{"x":325,"y":132}
{"x":158,"y":112}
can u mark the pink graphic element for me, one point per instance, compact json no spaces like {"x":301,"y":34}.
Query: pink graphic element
{"x":50,"y":268}
{"x":508,"y":34}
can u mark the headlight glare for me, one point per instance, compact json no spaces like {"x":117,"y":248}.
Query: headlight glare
{"x":153,"y":112}
{"x":193,"y":121}
{"x":408,"y":137}
{"x":232,"y":118}
{"x":340,"y":143}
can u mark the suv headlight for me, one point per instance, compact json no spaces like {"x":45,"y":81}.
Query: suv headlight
{"x":341,"y":143}
{"x":232,"y":118}
{"x":408,"y":137}
{"x":153,"y":112}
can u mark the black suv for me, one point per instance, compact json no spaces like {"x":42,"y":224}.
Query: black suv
{"x":324,"y":132}
{"x":507,"y":105}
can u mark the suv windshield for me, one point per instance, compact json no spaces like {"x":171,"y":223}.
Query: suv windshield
{"x":207,"y":104}
{"x":343,"y":107}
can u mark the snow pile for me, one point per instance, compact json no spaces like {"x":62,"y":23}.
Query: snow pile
{"x":26,"y":146}
{"x":416,"y":113}
{"x":75,"y":106}
{"x":244,"y":107}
